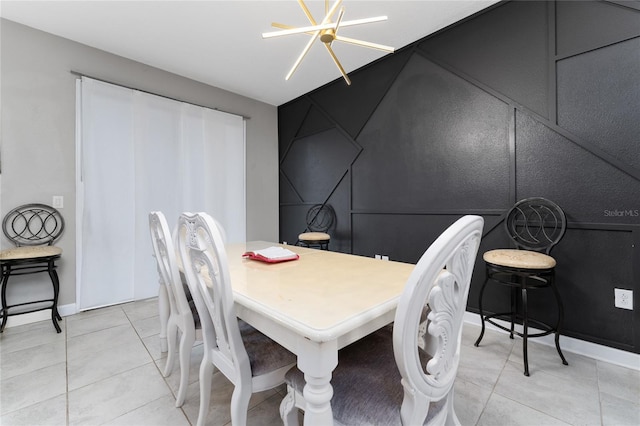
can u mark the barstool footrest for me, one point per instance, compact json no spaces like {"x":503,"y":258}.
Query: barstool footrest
{"x":503,"y":317}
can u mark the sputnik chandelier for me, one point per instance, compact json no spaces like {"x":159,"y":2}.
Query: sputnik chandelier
{"x":327,"y":32}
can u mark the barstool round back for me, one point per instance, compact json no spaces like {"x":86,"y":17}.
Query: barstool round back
{"x":536,"y":224}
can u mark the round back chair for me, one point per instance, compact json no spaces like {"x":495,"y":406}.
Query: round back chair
{"x":535,"y":225}
{"x":33,"y":228}
{"x":320,"y":219}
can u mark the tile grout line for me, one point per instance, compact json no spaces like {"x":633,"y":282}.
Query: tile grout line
{"x":599,"y":393}
{"x":155,"y":364}
{"x":66,"y":372}
{"x":493,"y":388}
{"x":536,"y":409}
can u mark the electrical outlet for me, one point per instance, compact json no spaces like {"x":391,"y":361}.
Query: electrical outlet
{"x":58,"y":201}
{"x":384,"y":257}
{"x":623,"y":298}
{"x":377,"y":256}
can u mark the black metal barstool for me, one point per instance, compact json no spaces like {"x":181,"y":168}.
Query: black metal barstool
{"x":320,"y":218}
{"x":33,"y":228}
{"x":535,"y":225}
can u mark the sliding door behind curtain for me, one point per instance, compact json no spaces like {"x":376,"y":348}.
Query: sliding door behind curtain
{"x":138,"y":153}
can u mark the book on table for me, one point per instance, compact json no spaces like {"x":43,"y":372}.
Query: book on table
{"x":273,"y":254}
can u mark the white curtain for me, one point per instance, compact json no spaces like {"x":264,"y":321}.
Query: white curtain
{"x":138,"y":153}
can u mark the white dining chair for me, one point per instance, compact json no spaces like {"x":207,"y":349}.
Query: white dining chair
{"x":183,"y":317}
{"x":249,"y":359}
{"x":398,"y":375}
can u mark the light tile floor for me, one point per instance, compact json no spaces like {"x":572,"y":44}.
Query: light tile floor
{"x":104,"y":368}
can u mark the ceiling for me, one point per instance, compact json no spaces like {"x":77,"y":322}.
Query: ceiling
{"x":220,"y":43}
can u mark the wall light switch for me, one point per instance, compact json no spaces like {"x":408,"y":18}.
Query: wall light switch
{"x":58,"y":201}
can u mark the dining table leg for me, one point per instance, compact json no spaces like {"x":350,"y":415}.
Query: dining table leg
{"x":317,"y":361}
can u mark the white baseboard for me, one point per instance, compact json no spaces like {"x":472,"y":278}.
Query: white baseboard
{"x":570,"y":344}
{"x":63,"y":310}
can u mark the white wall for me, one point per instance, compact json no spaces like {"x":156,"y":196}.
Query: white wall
{"x":37,"y":144}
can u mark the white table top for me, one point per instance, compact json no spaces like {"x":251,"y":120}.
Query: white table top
{"x":323,"y":295}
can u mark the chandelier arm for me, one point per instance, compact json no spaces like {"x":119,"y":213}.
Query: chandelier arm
{"x":335,"y":59}
{"x":363,"y":21}
{"x":298,"y":30}
{"x":303,"y":54}
{"x":338,"y":21}
{"x":284,"y":26}
{"x":370,"y":45}
{"x":307,"y":12}
{"x":327,"y":17}
{"x":324,"y":25}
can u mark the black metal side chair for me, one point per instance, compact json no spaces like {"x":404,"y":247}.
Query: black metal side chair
{"x":320,"y":218}
{"x":535,"y":226}
{"x":33,"y":228}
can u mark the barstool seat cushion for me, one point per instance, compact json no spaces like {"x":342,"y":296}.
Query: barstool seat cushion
{"x":29,"y":252}
{"x":314,"y":236}
{"x":523,"y":259}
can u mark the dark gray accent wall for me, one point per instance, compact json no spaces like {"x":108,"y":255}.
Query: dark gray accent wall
{"x":527,"y":98}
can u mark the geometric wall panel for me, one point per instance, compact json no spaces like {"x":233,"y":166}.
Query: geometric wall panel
{"x":434,"y":143}
{"x":287,"y":192}
{"x":340,"y":201}
{"x":586,"y":187}
{"x":292,"y":222}
{"x":315,"y":164}
{"x":357,"y":102}
{"x":314,"y":122}
{"x":586,"y":25}
{"x":591,"y":263}
{"x":290,"y":118}
{"x":506,"y":49}
{"x":405,"y":237}
{"x":600,"y":90}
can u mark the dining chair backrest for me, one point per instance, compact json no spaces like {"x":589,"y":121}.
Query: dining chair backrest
{"x":165,"y":253}
{"x":33,"y":225}
{"x":438,"y":284}
{"x":204,"y":257}
{"x":535,"y":224}
{"x":320,"y":218}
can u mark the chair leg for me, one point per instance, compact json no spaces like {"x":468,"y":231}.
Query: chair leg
{"x":481,"y":312}
{"x":206,"y":371}
{"x":56,"y":290}
{"x":240,"y":403}
{"x":514,"y":309}
{"x":452,"y":418}
{"x":163,"y":314}
{"x":552,"y":284}
{"x":172,"y":335}
{"x":525,"y":330}
{"x":289,"y":413}
{"x":186,"y":344}
{"x":5,"y":279}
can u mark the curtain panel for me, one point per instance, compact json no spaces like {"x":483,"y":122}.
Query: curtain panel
{"x":137,"y":153}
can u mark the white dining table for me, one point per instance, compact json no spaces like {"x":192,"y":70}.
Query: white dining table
{"x":314,"y":306}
